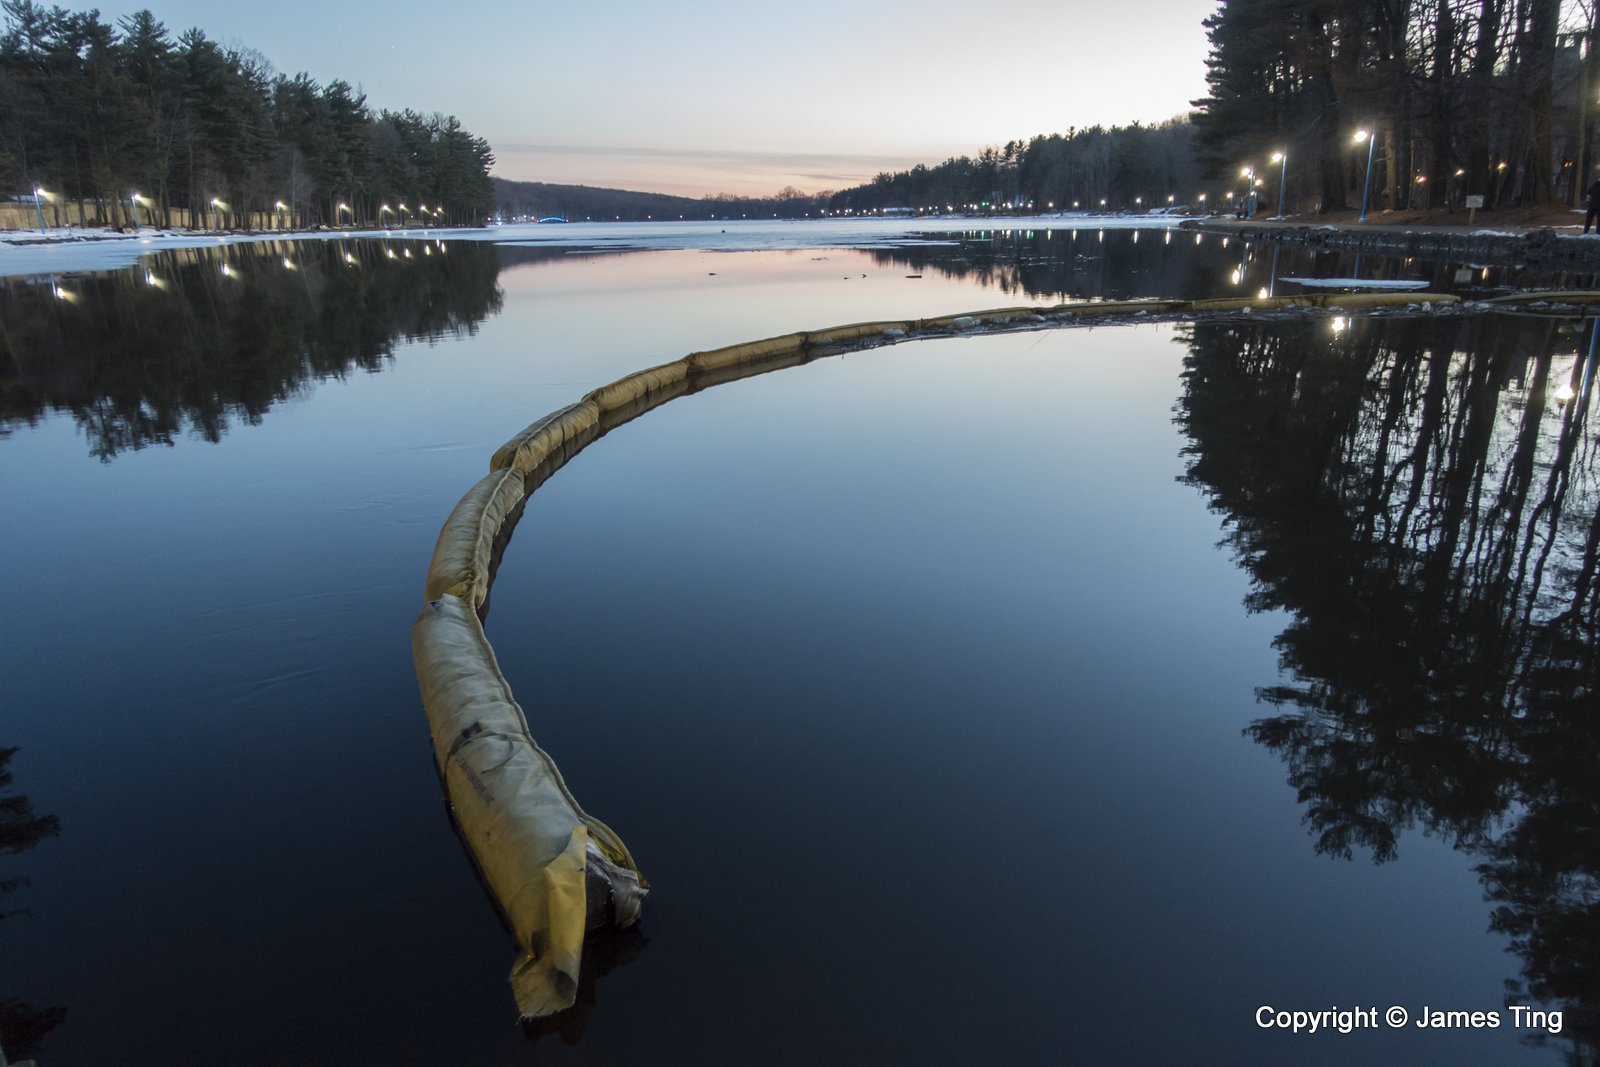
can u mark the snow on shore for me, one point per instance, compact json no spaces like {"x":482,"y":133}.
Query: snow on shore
{"x":1358,"y":283}
{"x":60,"y":251}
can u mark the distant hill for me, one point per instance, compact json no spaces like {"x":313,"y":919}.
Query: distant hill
{"x":536,"y":200}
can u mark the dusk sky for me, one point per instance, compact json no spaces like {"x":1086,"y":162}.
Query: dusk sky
{"x":739,"y":98}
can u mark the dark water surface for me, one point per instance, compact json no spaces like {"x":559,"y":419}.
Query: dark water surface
{"x":1064,"y":695}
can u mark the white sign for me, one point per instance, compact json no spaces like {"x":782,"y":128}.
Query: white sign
{"x":1475,"y":201}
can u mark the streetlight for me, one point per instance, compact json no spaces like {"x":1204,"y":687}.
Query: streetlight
{"x":38,"y":191}
{"x":1282,"y":159}
{"x":381,"y":209}
{"x":134,"y":200}
{"x":280,"y":207}
{"x":1249,"y":176}
{"x":1366,"y":191}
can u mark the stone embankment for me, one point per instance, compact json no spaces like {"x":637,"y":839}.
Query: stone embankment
{"x":1545,"y":248}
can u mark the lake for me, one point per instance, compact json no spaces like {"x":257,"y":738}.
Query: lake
{"x":1064,"y":694}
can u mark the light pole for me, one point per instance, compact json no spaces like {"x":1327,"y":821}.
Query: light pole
{"x":38,"y":191}
{"x":1282,"y":159}
{"x":1249,"y":176}
{"x":1366,"y":191}
{"x":134,"y":200}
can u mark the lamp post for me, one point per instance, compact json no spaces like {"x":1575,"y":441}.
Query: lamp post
{"x":38,"y":191}
{"x":1282,"y":159}
{"x":279,"y":208}
{"x":1366,"y":191}
{"x":134,"y":200}
{"x":1249,"y":176}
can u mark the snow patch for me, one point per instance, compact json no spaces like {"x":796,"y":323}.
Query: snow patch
{"x":1358,"y":283}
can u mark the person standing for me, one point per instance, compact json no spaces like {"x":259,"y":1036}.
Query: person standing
{"x":1592,"y":216}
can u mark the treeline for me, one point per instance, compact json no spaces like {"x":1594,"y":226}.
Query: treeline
{"x":1466,"y":97}
{"x":95,"y":114}
{"x":523,"y":201}
{"x":1124,"y":168}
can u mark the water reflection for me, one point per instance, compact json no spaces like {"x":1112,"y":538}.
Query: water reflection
{"x":1118,"y":266}
{"x":1421,"y":498}
{"x":194,"y":339}
{"x":22,"y":1026}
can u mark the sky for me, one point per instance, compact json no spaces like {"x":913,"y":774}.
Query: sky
{"x":722,"y":97}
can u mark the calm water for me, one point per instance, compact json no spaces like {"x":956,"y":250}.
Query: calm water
{"x":1058,"y":695}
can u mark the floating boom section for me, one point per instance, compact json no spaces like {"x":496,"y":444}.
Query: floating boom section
{"x":555,"y":871}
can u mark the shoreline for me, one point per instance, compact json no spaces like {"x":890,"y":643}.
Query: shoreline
{"x":1511,"y":240}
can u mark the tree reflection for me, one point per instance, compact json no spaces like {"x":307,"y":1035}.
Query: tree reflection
{"x":1123,"y":264}
{"x":1114,"y":264}
{"x":1420,"y":497}
{"x":22,"y":1027}
{"x":194,"y":339}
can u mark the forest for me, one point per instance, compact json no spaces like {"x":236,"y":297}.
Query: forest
{"x":124,"y":124}
{"x":1445,"y":98}
{"x":1123,"y":168}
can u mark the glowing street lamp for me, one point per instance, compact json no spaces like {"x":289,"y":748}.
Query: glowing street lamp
{"x":134,"y":200}
{"x":1366,"y":192}
{"x":381,"y":209}
{"x":38,"y":191}
{"x":1282,"y":159}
